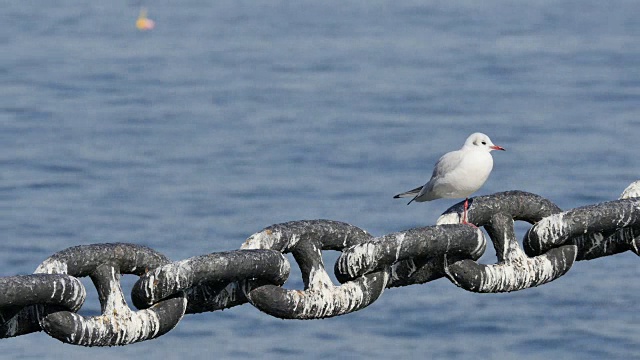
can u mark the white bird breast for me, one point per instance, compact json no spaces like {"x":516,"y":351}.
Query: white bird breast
{"x":466,"y":178}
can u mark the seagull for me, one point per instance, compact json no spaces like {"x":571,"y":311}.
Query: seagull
{"x":459,"y":173}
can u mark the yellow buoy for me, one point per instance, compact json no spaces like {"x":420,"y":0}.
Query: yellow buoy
{"x":143,"y":23}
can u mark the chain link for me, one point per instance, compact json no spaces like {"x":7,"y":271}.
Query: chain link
{"x":50,"y":298}
{"x":118,"y":324}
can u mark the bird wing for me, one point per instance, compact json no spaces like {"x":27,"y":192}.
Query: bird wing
{"x":444,"y":165}
{"x":447,"y":163}
{"x":409,"y":193}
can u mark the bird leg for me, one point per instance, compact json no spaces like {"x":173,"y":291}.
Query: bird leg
{"x":464,"y":214}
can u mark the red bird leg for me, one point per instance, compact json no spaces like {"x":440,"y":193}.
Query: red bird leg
{"x":464,"y":214}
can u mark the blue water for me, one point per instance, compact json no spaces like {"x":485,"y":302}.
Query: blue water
{"x":231,"y":116}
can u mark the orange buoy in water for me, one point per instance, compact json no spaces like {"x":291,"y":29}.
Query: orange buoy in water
{"x":143,"y":23}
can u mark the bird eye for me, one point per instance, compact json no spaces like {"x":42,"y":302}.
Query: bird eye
{"x":484,"y":143}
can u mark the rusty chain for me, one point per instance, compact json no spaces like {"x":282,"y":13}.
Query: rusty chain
{"x":49,"y":299}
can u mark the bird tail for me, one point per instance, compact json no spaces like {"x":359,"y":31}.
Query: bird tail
{"x":411,"y":193}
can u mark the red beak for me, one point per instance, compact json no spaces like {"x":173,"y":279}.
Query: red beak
{"x":496,"y":147}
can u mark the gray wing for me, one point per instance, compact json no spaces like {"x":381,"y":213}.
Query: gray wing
{"x":410,"y":193}
{"x":445,"y":165}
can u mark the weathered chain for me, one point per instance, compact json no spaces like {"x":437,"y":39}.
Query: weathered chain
{"x":50,"y":298}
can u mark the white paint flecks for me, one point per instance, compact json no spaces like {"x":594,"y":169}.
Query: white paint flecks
{"x":13,"y":328}
{"x":265,"y":239}
{"x":79,"y":294}
{"x":482,"y":244}
{"x":399,"y":240}
{"x":358,"y":259}
{"x":228,"y":294}
{"x":293,"y":240}
{"x":59,"y":291}
{"x":318,"y":278}
{"x":285,"y":267}
{"x":148,"y":285}
{"x":597,"y":241}
{"x":50,"y":266}
{"x":409,"y":263}
{"x":517,"y":272}
{"x":269,"y":239}
{"x":629,"y":217}
{"x":335,"y":300}
{"x":635,"y":246}
{"x":174,"y":276}
{"x":12,"y":325}
{"x":219,"y":299}
{"x":123,"y":329}
{"x":345,"y":240}
{"x":182,"y":274}
{"x":550,"y":228}
{"x":633,"y":190}
{"x":117,"y":326}
{"x":59,"y":286}
{"x":449,"y":218}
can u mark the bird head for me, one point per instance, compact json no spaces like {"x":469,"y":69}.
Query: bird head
{"x":481,"y":141}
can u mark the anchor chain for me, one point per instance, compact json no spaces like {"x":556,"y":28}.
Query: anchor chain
{"x":49,"y":299}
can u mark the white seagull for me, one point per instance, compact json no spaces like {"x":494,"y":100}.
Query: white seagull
{"x":459,"y":173}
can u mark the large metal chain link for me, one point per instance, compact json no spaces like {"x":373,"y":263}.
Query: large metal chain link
{"x":50,"y":298}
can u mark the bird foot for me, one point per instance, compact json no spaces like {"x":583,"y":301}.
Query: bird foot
{"x":468,"y":223}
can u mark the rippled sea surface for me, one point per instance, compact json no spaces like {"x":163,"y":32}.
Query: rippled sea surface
{"x":231,"y":116}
